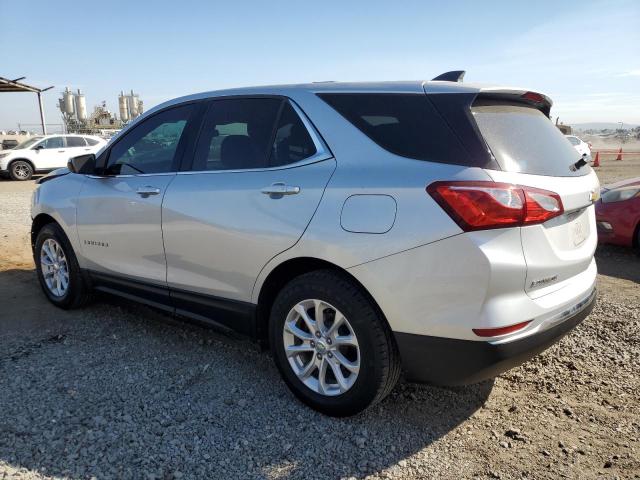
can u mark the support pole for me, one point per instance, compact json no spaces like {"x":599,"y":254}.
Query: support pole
{"x":44,"y":125}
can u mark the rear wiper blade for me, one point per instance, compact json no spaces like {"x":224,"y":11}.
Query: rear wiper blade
{"x":579,"y":164}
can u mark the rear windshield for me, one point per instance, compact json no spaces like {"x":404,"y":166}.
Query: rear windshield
{"x":405,"y":124}
{"x":524,"y":140}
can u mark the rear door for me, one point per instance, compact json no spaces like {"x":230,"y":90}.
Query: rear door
{"x":76,"y":146}
{"x":531,"y":151}
{"x":258,"y":174}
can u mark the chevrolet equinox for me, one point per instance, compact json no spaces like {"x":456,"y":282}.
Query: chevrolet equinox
{"x":359,"y":230}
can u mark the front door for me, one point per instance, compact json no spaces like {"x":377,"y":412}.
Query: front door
{"x":52,"y":155}
{"x":119,"y":214}
{"x":249,"y":195}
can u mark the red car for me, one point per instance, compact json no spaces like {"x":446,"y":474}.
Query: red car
{"x":618,"y":213}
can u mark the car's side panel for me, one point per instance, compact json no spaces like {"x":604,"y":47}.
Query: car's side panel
{"x":418,"y":220}
{"x":624,"y":217}
{"x":119,"y":229}
{"x":59,"y":201}
{"x":220,"y":229}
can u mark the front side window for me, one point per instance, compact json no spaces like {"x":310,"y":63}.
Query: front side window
{"x":151,"y":146}
{"x":75,"y":142}
{"x":53,"y":142}
{"x":236,"y":134}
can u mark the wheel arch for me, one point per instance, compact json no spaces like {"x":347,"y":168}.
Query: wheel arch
{"x":40,"y":221}
{"x":283,"y":274}
{"x":13,"y":160}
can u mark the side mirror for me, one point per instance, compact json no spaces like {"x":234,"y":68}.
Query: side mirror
{"x":37,"y":148}
{"x":83,"y":164}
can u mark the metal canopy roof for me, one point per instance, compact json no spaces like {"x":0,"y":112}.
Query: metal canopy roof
{"x":13,"y":86}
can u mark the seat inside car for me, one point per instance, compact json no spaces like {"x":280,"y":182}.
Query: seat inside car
{"x":239,"y":151}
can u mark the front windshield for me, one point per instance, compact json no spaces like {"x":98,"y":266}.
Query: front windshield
{"x":28,"y":143}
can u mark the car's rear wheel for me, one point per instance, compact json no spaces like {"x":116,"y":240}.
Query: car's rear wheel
{"x":58,"y":270}
{"x":332,"y":345}
{"x":20,"y":170}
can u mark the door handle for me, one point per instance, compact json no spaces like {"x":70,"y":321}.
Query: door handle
{"x":280,"y":189}
{"x":144,"y":192}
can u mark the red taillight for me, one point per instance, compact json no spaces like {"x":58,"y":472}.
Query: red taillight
{"x":481,"y":205}
{"x":494,"y":332}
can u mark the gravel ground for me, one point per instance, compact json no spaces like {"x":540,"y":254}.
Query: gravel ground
{"x":118,"y":390}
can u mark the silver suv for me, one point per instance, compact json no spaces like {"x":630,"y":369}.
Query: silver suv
{"x":359,"y":230}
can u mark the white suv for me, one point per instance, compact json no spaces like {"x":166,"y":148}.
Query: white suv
{"x":43,"y":154}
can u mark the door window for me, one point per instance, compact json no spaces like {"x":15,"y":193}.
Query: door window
{"x":91,"y":141}
{"x":75,"y":142}
{"x":53,"y":142}
{"x":292,"y":142}
{"x":237,"y":134}
{"x":152,"y":146}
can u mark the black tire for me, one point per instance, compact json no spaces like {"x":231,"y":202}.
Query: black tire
{"x":20,"y":170}
{"x":379,"y":358}
{"x":77,"y":293}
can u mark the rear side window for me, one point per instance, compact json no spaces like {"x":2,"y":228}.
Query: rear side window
{"x":573,"y":140}
{"x":91,"y":141}
{"x":524,"y":140}
{"x":236,"y":134}
{"x":292,"y":141}
{"x":75,"y":142}
{"x":405,"y":124}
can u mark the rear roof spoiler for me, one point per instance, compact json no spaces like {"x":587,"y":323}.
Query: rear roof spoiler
{"x":452,"y":76}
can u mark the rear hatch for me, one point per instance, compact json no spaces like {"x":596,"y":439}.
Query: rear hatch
{"x":529,"y":150}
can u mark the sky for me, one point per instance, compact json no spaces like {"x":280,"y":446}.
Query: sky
{"x":584,"y":54}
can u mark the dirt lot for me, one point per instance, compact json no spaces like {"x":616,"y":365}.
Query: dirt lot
{"x":121,"y":391}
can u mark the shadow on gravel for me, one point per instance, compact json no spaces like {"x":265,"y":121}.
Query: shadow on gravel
{"x":121,"y":391}
{"x":618,"y":262}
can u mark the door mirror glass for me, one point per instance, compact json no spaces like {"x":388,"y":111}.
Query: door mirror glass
{"x":83,"y":164}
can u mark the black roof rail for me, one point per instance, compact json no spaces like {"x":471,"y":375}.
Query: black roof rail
{"x":453,"y":76}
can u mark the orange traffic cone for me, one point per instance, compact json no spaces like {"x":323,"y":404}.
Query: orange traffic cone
{"x":619,"y":157}
{"x":596,"y":162}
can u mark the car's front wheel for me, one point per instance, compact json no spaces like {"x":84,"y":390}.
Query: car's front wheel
{"x":58,"y":270}
{"x":332,"y":345}
{"x":20,"y":170}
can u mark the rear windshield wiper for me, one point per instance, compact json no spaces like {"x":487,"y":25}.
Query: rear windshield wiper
{"x":579,"y":164}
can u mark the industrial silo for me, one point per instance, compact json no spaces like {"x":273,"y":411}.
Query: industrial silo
{"x":81,"y":106}
{"x":68,"y":101}
{"x":123,"y":107}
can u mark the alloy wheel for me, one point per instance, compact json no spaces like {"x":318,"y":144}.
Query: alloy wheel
{"x":54,"y":266}
{"x":22,"y":171}
{"x":321,"y":347}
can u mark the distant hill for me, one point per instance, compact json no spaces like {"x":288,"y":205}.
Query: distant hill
{"x":601,"y":126}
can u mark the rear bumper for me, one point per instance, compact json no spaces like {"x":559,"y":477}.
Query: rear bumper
{"x":448,"y":361}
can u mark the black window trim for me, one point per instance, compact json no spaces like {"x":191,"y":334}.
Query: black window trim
{"x":322,"y":150}
{"x":195,"y":119}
